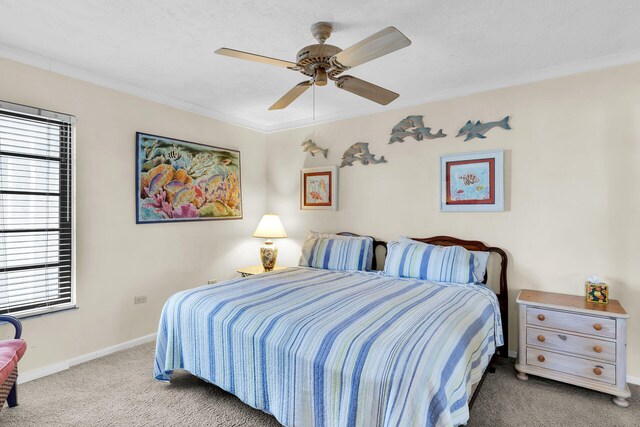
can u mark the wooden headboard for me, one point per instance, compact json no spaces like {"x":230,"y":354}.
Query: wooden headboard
{"x":471,"y":245}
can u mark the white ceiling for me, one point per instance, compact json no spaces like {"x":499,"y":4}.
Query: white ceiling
{"x":163,"y":49}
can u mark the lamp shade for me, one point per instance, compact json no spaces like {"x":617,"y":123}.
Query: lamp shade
{"x":270,"y":227}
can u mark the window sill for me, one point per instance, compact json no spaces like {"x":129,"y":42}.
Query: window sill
{"x":27,"y":315}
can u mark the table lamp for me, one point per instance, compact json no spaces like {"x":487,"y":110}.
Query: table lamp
{"x":269,"y":228}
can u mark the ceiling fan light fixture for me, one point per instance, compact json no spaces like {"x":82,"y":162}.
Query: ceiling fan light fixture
{"x":320,"y":77}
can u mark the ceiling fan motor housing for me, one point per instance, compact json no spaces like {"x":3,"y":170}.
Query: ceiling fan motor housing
{"x":315,"y":56}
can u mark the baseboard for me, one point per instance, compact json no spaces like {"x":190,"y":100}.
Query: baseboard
{"x":633,"y":380}
{"x":630,"y":379}
{"x":34,"y":374}
{"x":61,"y":366}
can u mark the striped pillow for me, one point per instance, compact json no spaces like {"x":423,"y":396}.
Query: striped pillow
{"x":338,"y":253}
{"x":480,"y":259}
{"x":339,"y":237}
{"x":452,"y":264}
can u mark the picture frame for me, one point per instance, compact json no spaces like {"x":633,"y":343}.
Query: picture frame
{"x":597,"y":292}
{"x":472,"y":182}
{"x":319,"y":188}
{"x":181,"y":181}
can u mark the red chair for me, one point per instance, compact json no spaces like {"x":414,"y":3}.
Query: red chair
{"x":11,"y":351}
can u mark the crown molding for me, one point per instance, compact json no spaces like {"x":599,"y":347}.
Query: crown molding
{"x":39,"y":61}
{"x":475,"y":88}
{"x":68,"y":70}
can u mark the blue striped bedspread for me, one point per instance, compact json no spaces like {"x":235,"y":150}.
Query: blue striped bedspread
{"x":333,"y":348}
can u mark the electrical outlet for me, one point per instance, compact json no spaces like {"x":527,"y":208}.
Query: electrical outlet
{"x":212,"y":281}
{"x":141,"y":299}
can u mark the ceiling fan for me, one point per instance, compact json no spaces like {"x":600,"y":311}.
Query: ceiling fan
{"x":323,"y":61}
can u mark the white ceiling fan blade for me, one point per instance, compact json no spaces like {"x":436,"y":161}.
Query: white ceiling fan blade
{"x":381,"y":43}
{"x":291,"y":96}
{"x":366,"y":90}
{"x":256,"y":58}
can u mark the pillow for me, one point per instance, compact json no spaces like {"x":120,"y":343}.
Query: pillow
{"x":482,"y":258}
{"x":480,"y":262}
{"x":453,"y":264}
{"x":336,"y":236}
{"x":336,"y":253}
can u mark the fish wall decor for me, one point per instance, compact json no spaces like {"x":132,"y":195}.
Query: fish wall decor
{"x":478,"y":129}
{"x":359,"y":152}
{"x":311,"y":147}
{"x":413,"y":126}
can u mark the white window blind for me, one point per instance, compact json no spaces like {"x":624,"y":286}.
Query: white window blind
{"x":36,"y":224}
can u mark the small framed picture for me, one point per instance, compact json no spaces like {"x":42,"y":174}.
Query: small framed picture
{"x":472,"y":182}
{"x":319,"y":188}
{"x":597,"y":292}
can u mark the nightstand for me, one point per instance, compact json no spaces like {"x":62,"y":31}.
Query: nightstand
{"x":256,"y":269}
{"x":566,"y":338}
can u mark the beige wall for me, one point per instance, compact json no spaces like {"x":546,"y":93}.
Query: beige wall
{"x":572,"y":166}
{"x":117,"y":259}
{"x":572,"y":161}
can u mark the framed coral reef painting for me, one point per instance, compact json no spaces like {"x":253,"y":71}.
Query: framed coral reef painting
{"x":184,"y":181}
{"x":318,"y":188}
{"x":472,"y":181}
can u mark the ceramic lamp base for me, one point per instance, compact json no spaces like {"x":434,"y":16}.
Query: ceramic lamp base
{"x":268,"y":255}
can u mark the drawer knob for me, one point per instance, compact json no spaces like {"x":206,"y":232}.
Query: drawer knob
{"x":597,"y":370}
{"x":597,"y":326}
{"x":597,"y":349}
{"x":541,"y":358}
{"x":541,"y":338}
{"x":541,"y":317}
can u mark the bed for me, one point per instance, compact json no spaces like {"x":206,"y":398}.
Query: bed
{"x":318,"y":347}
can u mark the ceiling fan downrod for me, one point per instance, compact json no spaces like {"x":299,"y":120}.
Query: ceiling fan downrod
{"x":321,"y":31}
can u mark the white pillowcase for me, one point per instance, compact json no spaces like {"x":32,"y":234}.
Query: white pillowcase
{"x":479,"y":263}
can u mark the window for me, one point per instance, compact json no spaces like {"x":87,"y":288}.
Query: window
{"x":36,"y":224}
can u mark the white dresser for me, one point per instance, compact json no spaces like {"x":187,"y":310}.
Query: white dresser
{"x":565,"y":338}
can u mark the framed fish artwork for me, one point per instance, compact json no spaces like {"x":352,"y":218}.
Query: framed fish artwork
{"x":472,"y":182}
{"x":319,"y":188}
{"x":179,"y":181}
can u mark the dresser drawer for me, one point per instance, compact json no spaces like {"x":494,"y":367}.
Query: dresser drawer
{"x":567,"y":343}
{"x":574,"y":322}
{"x":591,"y":369}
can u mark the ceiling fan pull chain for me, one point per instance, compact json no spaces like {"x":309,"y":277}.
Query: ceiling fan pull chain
{"x":314,"y":102}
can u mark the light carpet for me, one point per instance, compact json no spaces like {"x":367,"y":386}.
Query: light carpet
{"x":118,"y":390}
